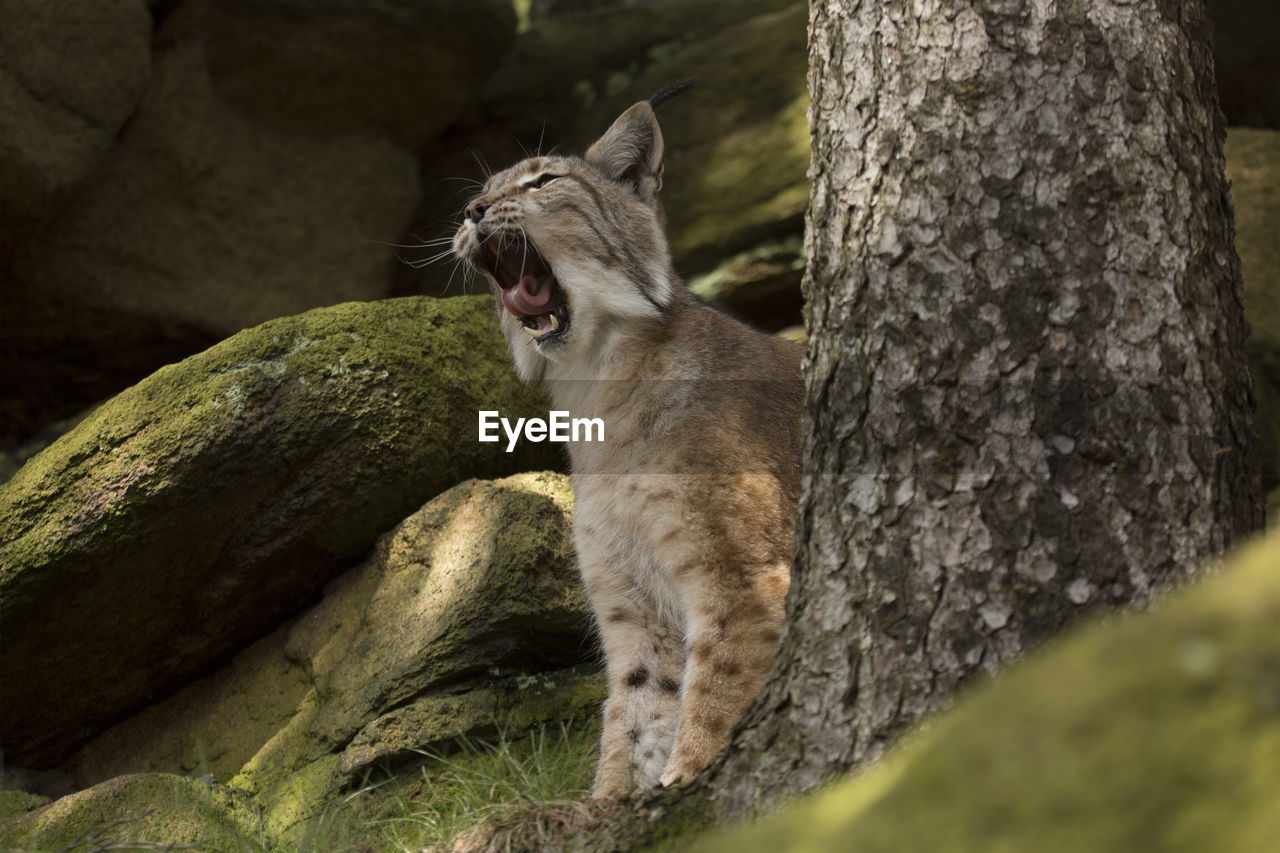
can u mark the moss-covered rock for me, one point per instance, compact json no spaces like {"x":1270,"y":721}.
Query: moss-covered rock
{"x":761,"y":285}
{"x":404,"y":741}
{"x":1158,"y":731}
{"x":1253,"y":165}
{"x":16,"y":802}
{"x":211,"y":726}
{"x":510,"y":704}
{"x":200,"y":508}
{"x":736,"y":168}
{"x":12,"y":460}
{"x":307,"y":69}
{"x":737,"y":146}
{"x":230,"y":224}
{"x":246,"y":161}
{"x":467,"y":617}
{"x":143,"y":810}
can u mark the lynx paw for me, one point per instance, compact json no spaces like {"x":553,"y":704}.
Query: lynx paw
{"x":675,"y":775}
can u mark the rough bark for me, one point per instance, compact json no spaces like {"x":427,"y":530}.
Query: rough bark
{"x":1027,"y":390}
{"x":1028,"y":395}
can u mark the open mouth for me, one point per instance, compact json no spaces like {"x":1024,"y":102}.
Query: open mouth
{"x":529,"y":290}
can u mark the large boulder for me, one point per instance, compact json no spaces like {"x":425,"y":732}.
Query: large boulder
{"x":268,"y":169}
{"x":760,"y":285}
{"x":153,"y":811}
{"x":304,"y":66}
{"x":1158,"y":731}
{"x":466,"y":617}
{"x":71,"y":74}
{"x":195,"y":511}
{"x":228,"y":225}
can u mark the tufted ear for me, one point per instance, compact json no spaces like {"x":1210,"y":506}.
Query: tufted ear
{"x":630,"y":152}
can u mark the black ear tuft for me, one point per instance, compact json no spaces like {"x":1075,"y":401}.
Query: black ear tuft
{"x":630,"y":152}
{"x":669,"y":91}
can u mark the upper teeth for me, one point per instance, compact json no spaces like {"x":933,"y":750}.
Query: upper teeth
{"x":555,"y":324}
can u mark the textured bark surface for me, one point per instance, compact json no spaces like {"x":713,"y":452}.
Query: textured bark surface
{"x":1027,"y":387}
{"x":1027,"y":390}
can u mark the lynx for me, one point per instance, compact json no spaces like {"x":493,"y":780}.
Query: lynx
{"x":683,"y":519}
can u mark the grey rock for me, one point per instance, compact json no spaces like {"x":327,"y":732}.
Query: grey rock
{"x":195,"y":511}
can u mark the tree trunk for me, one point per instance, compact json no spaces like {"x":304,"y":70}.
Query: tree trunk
{"x":1027,"y":390}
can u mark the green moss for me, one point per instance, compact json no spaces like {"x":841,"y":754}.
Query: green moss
{"x":336,"y":359}
{"x":19,"y":802}
{"x":146,"y":809}
{"x":1253,"y":165}
{"x":441,"y":633}
{"x":584,"y":51}
{"x":214,"y":726}
{"x":300,"y":797}
{"x":1158,"y":731}
{"x":473,"y":591}
{"x":738,"y":145}
{"x":289,"y":749}
{"x":522,"y":8}
{"x":316,"y":432}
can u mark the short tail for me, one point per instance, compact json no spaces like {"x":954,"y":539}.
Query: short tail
{"x":670,"y":90}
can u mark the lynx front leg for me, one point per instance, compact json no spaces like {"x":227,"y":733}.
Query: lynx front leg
{"x":734,"y":634}
{"x":644,"y":661}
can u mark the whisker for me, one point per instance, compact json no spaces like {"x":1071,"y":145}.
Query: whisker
{"x":482,"y":163}
{"x":412,"y":264}
{"x":466,"y":269}
{"x":524,"y":250}
{"x":439,"y":255}
{"x":426,"y":244}
{"x":419,"y":263}
{"x":469,"y":186}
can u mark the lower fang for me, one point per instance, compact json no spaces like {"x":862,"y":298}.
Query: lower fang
{"x":534,"y":332}
{"x":555,"y":324}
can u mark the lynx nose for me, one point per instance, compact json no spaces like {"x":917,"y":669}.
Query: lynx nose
{"x":476,"y":208}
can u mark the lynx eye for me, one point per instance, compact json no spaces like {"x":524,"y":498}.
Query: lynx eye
{"x":542,"y":180}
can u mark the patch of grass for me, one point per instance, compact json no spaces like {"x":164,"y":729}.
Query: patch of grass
{"x":455,"y":790}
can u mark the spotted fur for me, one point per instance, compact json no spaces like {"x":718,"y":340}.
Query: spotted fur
{"x":683,"y":515}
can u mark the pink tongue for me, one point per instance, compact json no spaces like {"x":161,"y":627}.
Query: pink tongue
{"x":527,"y":297}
